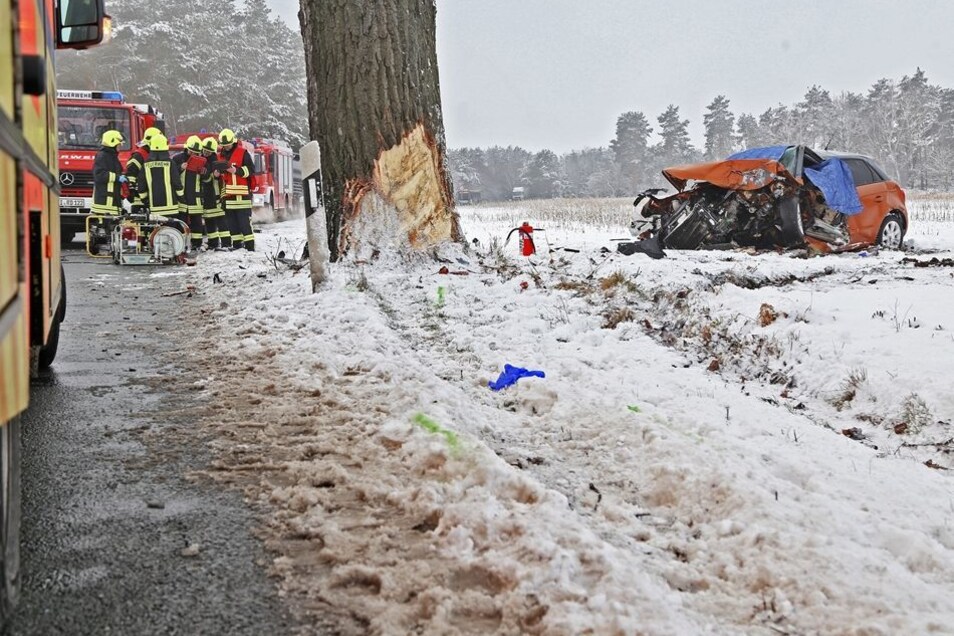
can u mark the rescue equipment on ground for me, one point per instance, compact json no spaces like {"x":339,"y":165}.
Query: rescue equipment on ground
{"x":137,"y":239}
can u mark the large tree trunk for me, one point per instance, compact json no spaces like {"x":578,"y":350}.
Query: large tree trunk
{"x":374,"y":107}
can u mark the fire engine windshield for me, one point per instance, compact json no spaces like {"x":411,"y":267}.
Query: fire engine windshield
{"x":82,"y":127}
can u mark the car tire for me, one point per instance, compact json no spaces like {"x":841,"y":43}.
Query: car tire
{"x":9,"y":517}
{"x":891,"y":233}
{"x":792,"y":232}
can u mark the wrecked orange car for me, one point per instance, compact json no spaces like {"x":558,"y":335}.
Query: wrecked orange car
{"x":775,"y":197}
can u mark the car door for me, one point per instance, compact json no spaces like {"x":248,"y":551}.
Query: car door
{"x":863,"y":227}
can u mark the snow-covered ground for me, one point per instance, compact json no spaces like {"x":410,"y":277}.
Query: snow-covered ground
{"x":723,"y":443}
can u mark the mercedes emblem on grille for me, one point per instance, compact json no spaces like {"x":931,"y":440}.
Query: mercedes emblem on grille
{"x":67,"y":178}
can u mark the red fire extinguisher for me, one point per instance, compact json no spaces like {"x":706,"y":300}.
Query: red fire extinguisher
{"x":527,"y":248}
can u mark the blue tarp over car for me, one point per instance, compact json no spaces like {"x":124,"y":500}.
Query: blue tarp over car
{"x":769,"y":152}
{"x":831,"y":176}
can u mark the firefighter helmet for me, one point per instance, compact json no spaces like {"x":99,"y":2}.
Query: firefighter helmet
{"x":193,"y":143}
{"x":112,"y":138}
{"x":158,"y":143}
{"x":210,"y":144}
{"x":227,"y":137}
{"x":146,"y":136}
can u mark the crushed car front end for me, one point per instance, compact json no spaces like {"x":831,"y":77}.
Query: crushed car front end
{"x":777,"y":197}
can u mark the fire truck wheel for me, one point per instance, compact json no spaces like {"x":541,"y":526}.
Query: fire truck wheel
{"x":62,"y":294}
{"x":271,"y":208}
{"x":48,"y":352}
{"x":10,"y":520}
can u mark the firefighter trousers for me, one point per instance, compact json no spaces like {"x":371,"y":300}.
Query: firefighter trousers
{"x":238,"y":215}
{"x":217,"y":230}
{"x":197,"y":228}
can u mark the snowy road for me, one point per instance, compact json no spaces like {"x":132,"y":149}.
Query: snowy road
{"x":114,"y":539}
{"x":723,"y":443}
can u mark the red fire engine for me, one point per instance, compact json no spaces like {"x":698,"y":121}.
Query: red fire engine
{"x":273,"y":187}
{"x":83,"y":118}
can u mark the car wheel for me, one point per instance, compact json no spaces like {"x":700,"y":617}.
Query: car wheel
{"x":891,"y":234}
{"x":792,"y":230}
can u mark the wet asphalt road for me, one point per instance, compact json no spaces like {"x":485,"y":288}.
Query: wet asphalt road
{"x":107,"y":509}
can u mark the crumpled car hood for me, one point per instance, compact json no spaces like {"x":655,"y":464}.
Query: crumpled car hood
{"x":831,"y":176}
{"x":731,"y":174}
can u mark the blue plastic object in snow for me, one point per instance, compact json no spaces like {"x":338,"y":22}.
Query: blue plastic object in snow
{"x":510,"y":376}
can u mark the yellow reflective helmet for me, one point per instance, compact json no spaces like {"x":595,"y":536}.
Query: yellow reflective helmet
{"x":193,"y":143}
{"x":148,"y":134}
{"x":112,"y":138}
{"x":210,"y":144}
{"x":158,"y":143}
{"x":227,"y":137}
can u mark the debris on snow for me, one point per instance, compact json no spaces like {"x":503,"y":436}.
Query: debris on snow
{"x":685,"y":534}
{"x":510,"y":375}
{"x":191,"y":550}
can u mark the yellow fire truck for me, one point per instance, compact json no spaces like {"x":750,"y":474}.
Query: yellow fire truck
{"x":32,"y":287}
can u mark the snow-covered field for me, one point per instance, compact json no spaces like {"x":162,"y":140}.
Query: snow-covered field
{"x":723,"y":443}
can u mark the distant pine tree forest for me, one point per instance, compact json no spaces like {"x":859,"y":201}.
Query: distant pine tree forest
{"x":907,"y":125}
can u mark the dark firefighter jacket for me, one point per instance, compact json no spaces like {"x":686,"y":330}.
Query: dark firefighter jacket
{"x":107,"y":197}
{"x":134,"y":169}
{"x":160,"y":186}
{"x":190,"y":169}
{"x":211,"y":190}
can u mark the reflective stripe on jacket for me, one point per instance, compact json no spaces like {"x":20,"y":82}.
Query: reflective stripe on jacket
{"x":107,"y":194}
{"x":161,"y":186}
{"x":191,"y":201}
{"x":134,"y":169}
{"x":237,"y":185}
{"x":211,"y":192}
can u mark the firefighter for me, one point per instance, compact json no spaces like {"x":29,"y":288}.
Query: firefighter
{"x":160,"y":186}
{"x":236,"y":192}
{"x":134,"y":165}
{"x":191,"y":164}
{"x":108,"y":176}
{"x":214,"y":216}
{"x":107,"y":192}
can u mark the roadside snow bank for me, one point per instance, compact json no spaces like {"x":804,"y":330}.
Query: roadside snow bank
{"x":638,"y":488}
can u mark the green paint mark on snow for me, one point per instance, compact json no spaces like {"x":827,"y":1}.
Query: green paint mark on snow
{"x":433,"y":427}
{"x":440,"y":296}
{"x":633,"y":408}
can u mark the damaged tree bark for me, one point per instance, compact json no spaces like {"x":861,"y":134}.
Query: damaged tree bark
{"x":374,"y":107}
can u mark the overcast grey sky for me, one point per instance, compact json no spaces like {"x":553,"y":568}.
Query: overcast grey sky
{"x":557,"y":73}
